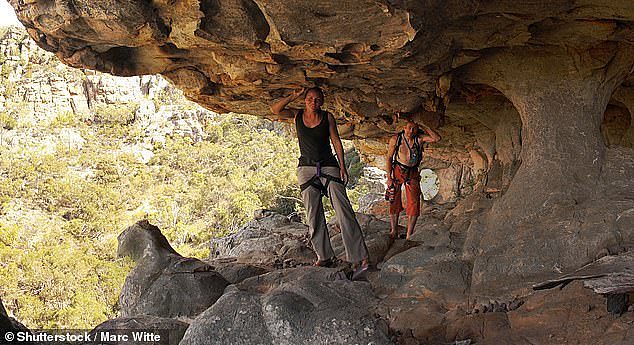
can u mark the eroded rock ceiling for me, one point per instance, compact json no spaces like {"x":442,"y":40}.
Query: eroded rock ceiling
{"x":373,"y":58}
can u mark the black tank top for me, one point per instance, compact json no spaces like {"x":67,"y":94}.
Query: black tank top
{"x":314,"y":143}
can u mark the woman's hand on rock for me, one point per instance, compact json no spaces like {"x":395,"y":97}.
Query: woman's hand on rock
{"x":298,"y":92}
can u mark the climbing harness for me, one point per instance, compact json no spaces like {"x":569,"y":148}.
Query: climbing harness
{"x":315,"y":181}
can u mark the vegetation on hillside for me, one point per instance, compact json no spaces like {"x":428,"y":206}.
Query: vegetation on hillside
{"x":59,"y":266}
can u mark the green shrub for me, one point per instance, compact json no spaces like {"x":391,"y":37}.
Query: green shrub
{"x":122,"y":113}
{"x":65,"y":119}
{"x":62,"y":271}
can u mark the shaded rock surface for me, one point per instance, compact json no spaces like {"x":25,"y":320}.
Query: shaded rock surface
{"x":558,"y":199}
{"x":420,"y":293}
{"x":171,"y":331}
{"x":613,"y":274}
{"x":295,"y":306}
{"x":576,"y":315}
{"x":377,"y":239}
{"x":164,"y":283}
{"x":419,"y":286}
{"x":271,"y":240}
{"x":10,"y":325}
{"x":235,"y":272}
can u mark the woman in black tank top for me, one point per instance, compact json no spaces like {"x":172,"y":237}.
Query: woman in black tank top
{"x":318,"y":174}
{"x":314,"y":143}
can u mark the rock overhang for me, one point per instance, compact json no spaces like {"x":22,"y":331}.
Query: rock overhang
{"x":372,"y":58}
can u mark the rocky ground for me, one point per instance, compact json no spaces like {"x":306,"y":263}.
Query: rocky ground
{"x":259,"y":287}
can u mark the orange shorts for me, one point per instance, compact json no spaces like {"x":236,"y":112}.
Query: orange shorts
{"x":412,"y":191}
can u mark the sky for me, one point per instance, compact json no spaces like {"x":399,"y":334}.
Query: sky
{"x":7,"y":14}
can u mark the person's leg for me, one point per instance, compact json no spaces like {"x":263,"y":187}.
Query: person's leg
{"x":413,"y":205}
{"x":315,"y":216}
{"x":411,"y":223}
{"x":394,"y":225}
{"x":356,"y":250}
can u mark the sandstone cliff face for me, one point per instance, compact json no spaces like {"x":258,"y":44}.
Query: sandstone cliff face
{"x":533,"y":99}
{"x":36,"y":89}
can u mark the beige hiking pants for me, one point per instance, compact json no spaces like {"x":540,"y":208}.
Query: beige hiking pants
{"x":353,"y":241}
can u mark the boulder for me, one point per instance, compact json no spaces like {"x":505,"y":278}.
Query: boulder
{"x":235,"y":272}
{"x":270,"y":240}
{"x":164,"y":283}
{"x":431,"y":231}
{"x":398,"y":246}
{"x":426,"y":272}
{"x":418,"y":285}
{"x":422,"y":321}
{"x":171,"y":331}
{"x":308,"y":305}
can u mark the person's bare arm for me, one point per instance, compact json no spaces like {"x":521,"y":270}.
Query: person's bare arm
{"x":390,"y":153}
{"x":431,"y":136}
{"x":336,"y":143}
{"x":279,"y":108}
